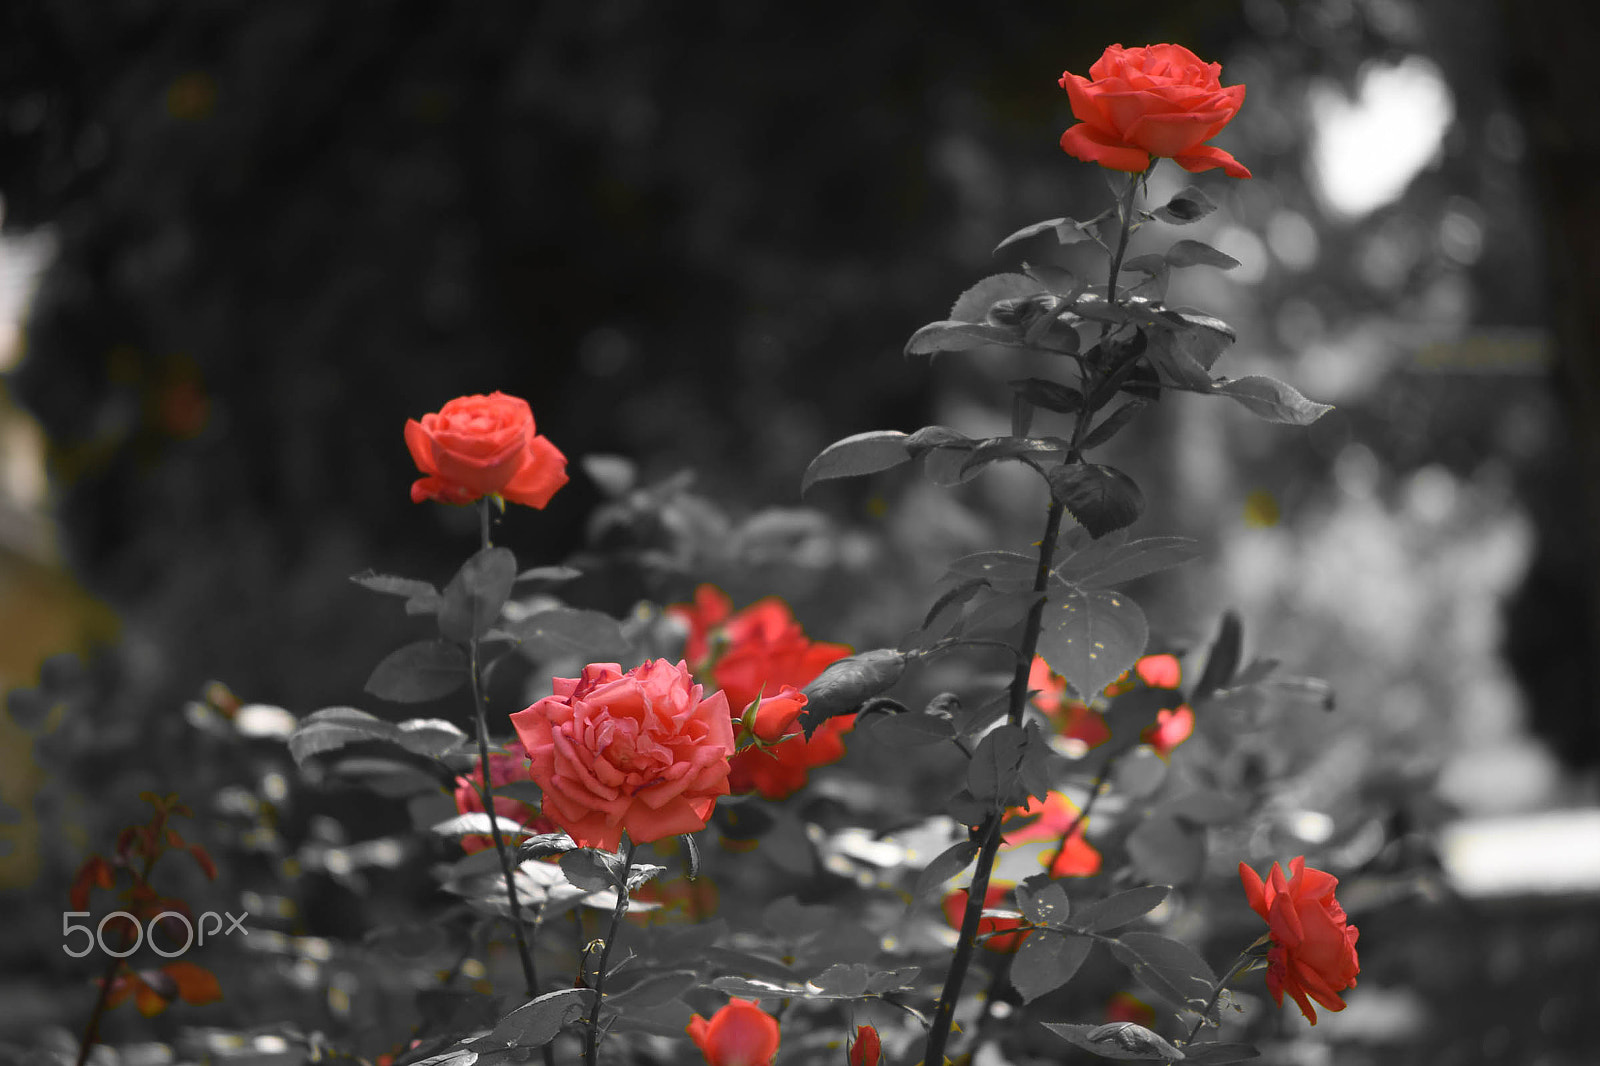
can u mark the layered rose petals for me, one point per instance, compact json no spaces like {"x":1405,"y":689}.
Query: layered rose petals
{"x":740,"y":1034}
{"x":1161,"y":100}
{"x":503,"y":770}
{"x":477,"y":446}
{"x":641,"y":752}
{"x":1313,"y":954}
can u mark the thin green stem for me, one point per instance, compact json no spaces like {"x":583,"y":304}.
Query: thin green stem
{"x":591,"y":1051}
{"x":944,"y":1014}
{"x":1242,"y":963}
{"x":530,"y":971}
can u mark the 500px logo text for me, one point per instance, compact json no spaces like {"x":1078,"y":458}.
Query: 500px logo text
{"x":96,"y":935}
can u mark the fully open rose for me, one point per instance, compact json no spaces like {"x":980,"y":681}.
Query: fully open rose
{"x":1161,"y":100}
{"x":1313,"y":955}
{"x":740,"y":1034}
{"x":477,"y":446}
{"x":639,"y":752}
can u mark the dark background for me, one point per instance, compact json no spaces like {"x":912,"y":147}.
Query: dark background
{"x":691,"y":234}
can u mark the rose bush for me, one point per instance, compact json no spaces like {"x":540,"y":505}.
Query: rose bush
{"x":740,"y":1034}
{"x":641,"y":752}
{"x":1161,"y":100}
{"x":1313,"y":954}
{"x":477,"y":446}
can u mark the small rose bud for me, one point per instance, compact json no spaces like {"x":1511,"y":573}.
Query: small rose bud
{"x":866,"y":1049}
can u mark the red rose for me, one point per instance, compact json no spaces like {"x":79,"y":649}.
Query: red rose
{"x":639,"y":752}
{"x":763,"y":649}
{"x":1161,"y":100}
{"x":775,"y":716}
{"x":740,"y":1034}
{"x":503,"y":770}
{"x":866,"y":1049}
{"x":955,"y":906}
{"x":1172,"y":727}
{"x":478,"y":446}
{"x":1313,"y":954}
{"x":1073,"y":718}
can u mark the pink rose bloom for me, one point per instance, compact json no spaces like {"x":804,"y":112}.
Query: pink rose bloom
{"x":503,"y":770}
{"x":639,"y":752}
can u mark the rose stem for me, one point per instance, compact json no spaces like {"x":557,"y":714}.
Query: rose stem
{"x":530,"y":973}
{"x":939,"y":1033}
{"x":591,"y":1053}
{"x":1239,"y":966}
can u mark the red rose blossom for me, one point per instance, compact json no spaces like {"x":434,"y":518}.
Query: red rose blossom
{"x":503,"y":770}
{"x":1057,"y":814}
{"x":740,"y":1034}
{"x":866,"y":1049}
{"x":477,"y":446}
{"x":640,"y":752}
{"x":1161,"y":100}
{"x":762,"y":649}
{"x":1313,"y":954}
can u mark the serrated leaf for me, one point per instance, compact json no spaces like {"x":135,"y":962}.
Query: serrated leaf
{"x":1000,"y":568}
{"x":1272,"y":400}
{"x":550,"y":575}
{"x":1066,"y":231}
{"x":1118,"y":1040}
{"x":998,"y":610}
{"x":1120,"y":909}
{"x":392,"y":585}
{"x":929,"y":437}
{"x":334,"y":727}
{"x":847,"y":683}
{"x":1222,"y":661}
{"x":1046,"y":961}
{"x":536,"y":1023}
{"x":1090,"y":636}
{"x":569,"y":632}
{"x":543,"y":844}
{"x":1113,"y":423}
{"x":1175,"y":366}
{"x":432,"y":737}
{"x":476,"y":822}
{"x":863,"y":453}
{"x":417,"y":673}
{"x":472,"y":600}
{"x":1218,"y":1054}
{"x":844,"y":979}
{"x":653,"y":989}
{"x":757,"y":988}
{"x":974,"y":304}
{"x":1167,"y":967}
{"x":1132,"y":560}
{"x":948,"y":606}
{"x":1200,"y":336}
{"x":946,"y":864}
{"x":1189,"y":204}
{"x":892,"y":980}
{"x":949,"y":336}
{"x":995,"y":449}
{"x":592,"y":870}
{"x":1099,"y":498}
{"x":1051,"y":395}
{"x":1188,"y":253}
{"x":1044,"y":902}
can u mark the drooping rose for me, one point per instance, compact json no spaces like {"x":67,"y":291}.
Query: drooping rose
{"x":762,"y":649}
{"x":998,"y":896}
{"x":640,"y":752}
{"x":1160,"y":100}
{"x":1057,"y":814}
{"x":740,"y":1034}
{"x":1313,"y":953}
{"x":866,"y":1049}
{"x":503,"y":770}
{"x":477,"y":446}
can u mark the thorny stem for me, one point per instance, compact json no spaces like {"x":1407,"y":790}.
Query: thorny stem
{"x":1242,"y":963}
{"x":91,"y":1031}
{"x":591,"y":1051}
{"x":530,"y":972}
{"x":944,"y":1014}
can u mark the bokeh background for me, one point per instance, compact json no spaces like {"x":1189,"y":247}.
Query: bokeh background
{"x":243,"y":243}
